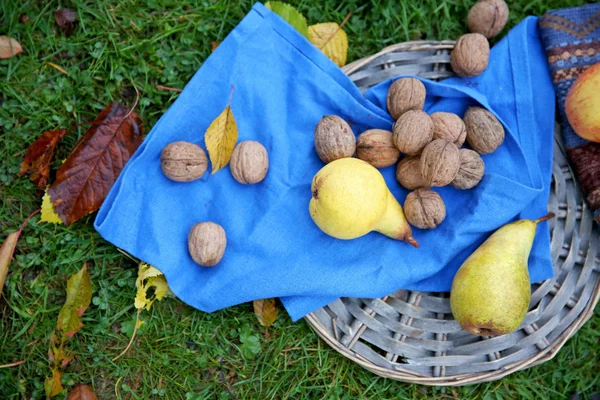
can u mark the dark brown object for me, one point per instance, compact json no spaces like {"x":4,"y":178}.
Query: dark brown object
{"x":24,"y":18}
{"x":413,"y":131}
{"x":470,"y":55}
{"x":183,"y":161}
{"x":376,"y":147}
{"x":249,"y":162}
{"x":39,"y":156}
{"x":66,"y":20}
{"x":488,"y":17}
{"x":405,"y":94}
{"x":484,"y":132}
{"x":206,"y":243}
{"x":85,"y":178}
{"x":408,"y":173}
{"x":424,"y":209}
{"x":470,"y":171}
{"x":450,"y":127}
{"x":81,"y":392}
{"x":334,"y":139}
{"x":440,"y":161}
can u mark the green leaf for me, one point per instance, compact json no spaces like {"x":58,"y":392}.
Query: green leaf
{"x":250,"y":342}
{"x":290,"y":15}
{"x":79,"y":296}
{"x":53,"y":385}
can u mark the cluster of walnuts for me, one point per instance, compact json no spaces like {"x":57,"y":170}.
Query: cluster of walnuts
{"x":472,"y":51}
{"x":185,"y":162}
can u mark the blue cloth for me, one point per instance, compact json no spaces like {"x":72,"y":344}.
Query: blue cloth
{"x":283,"y":86}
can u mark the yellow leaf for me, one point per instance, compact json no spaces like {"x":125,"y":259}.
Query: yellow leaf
{"x":79,"y":297}
{"x":48,"y":214}
{"x":331,"y":39}
{"x":266,"y":311}
{"x":220,"y":138}
{"x":150,"y":277}
{"x":53,"y":385}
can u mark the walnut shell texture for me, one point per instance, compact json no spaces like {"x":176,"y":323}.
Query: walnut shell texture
{"x":183,"y":161}
{"x":484,"y":132}
{"x":249,"y":162}
{"x":405,"y":94}
{"x":413,"y":131}
{"x":470,"y":55}
{"x":470,"y":171}
{"x":440,"y":161}
{"x":408,"y":173}
{"x":488,"y":17}
{"x":206,"y":243}
{"x":450,"y":127}
{"x":376,"y":147}
{"x":424,"y":209}
{"x":334,"y":139}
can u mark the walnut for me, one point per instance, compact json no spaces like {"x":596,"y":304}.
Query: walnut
{"x":440,"y":161}
{"x":206,"y":243}
{"x":334,"y":139}
{"x":484,"y":132}
{"x":183,"y":161}
{"x":413,"y":131}
{"x":470,"y":171}
{"x":424,"y":208}
{"x":450,"y":127}
{"x":488,"y":17}
{"x":408,"y":173}
{"x":249,"y":162}
{"x":376,"y":147}
{"x":470,"y":55}
{"x":405,"y":94}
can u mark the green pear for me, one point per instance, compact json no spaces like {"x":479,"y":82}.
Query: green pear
{"x":491,"y":291}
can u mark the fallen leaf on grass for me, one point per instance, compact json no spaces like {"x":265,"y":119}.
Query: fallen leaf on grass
{"x":331,"y":39}
{"x":48,"y":214}
{"x":266,"y":311}
{"x":9,"y":47}
{"x":79,"y":296}
{"x":39,"y":156}
{"x":53,"y":385}
{"x":66,"y":20}
{"x":87,"y":175}
{"x":290,"y":15}
{"x":214,"y":46}
{"x":220,"y":138}
{"x":82,"y":392}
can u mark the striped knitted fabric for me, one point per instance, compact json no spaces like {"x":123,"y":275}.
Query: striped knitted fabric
{"x":571,"y":37}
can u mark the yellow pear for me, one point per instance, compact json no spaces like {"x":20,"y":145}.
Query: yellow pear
{"x":350,"y":199}
{"x":491,"y":290}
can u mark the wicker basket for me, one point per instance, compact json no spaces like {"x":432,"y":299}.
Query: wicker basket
{"x":411,"y":336}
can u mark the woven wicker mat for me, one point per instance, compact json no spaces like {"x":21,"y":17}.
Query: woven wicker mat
{"x":411,"y":336}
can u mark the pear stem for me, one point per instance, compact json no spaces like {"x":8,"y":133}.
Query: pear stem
{"x":412,"y":241}
{"x":544,"y":218}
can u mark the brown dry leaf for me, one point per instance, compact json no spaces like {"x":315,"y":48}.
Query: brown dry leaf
{"x":39,"y":156}
{"x":82,"y":392}
{"x":266,"y":311}
{"x":214,"y":46}
{"x":66,"y":20}
{"x":220,"y":138}
{"x":85,"y":178}
{"x":79,"y":296}
{"x":331,"y":39}
{"x":9,"y":47}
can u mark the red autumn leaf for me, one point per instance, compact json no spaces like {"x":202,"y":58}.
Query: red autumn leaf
{"x":85,"y":178}
{"x":66,"y":20}
{"x":39,"y":156}
{"x":82,"y":392}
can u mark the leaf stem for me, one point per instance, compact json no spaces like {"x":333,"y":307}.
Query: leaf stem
{"x":544,"y":218}
{"x":337,"y":30}
{"x":137,"y":320}
{"x":13,"y":364}
{"x":171,"y":89}
{"x":230,"y":95}
{"x":137,"y":98}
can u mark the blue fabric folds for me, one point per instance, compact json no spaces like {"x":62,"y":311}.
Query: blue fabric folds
{"x":283,"y":86}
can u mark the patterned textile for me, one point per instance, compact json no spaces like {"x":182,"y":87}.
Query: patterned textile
{"x":571,"y":37}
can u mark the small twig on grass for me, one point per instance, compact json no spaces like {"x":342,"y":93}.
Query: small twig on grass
{"x":135,"y":328}
{"x":170,"y":89}
{"x":137,"y":98}
{"x":126,"y":254}
{"x":224,"y":380}
{"x":13,"y":364}
{"x":336,"y":31}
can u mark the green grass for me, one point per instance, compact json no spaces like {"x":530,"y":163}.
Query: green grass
{"x":182,"y":352}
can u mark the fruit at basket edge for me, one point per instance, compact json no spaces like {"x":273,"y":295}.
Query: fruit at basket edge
{"x":491,"y":291}
{"x":583,"y":104}
{"x":350,"y":199}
